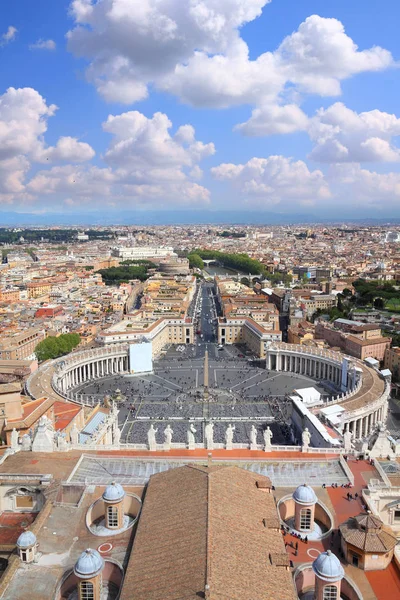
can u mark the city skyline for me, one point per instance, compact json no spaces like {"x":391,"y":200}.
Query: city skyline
{"x":266,"y":109}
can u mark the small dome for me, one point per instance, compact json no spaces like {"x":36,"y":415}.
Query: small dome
{"x":113,"y":492}
{"x":26,"y":540}
{"x":89,"y":564}
{"x":327,"y":567}
{"x":304,"y":494}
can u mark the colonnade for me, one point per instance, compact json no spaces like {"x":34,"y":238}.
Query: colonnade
{"x":362,"y":426}
{"x":327,"y":365}
{"x":95,"y":365}
{"x":312,"y":366}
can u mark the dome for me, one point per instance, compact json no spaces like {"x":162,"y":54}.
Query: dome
{"x":26,"y":540}
{"x":113,"y":492}
{"x":304,"y":494}
{"x":327,"y":567}
{"x":88,"y":564}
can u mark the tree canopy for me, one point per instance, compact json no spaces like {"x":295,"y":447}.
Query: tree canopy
{"x":124,"y":274}
{"x":53,"y":347}
{"x":195,"y":261}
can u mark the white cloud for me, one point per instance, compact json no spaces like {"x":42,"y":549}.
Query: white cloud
{"x":131,"y":44}
{"x":274,"y":180}
{"x":342,"y":135}
{"x":8,"y":36}
{"x":274,"y":119}
{"x":194,"y":50}
{"x":43,"y":45}
{"x":144,"y":151}
{"x":23,"y":123}
{"x":145,"y":165}
{"x":320,"y":54}
{"x":67,"y":149}
{"x":367,"y":189}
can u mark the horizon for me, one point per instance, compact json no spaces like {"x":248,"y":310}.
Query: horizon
{"x":241,"y":105}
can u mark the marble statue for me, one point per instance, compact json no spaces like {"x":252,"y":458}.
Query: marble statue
{"x":253,"y":438}
{"x":74,"y":435}
{"x":305,"y":438}
{"x":43,"y":440}
{"x":267,"y":435}
{"x":61,"y":442}
{"x":229,"y":436}
{"x":209,"y":435}
{"x":26,"y":442}
{"x":151,"y":437}
{"x":168,"y":433}
{"x":190,"y":436}
{"x":117,"y":436}
{"x":14,"y":439}
{"x":347,"y":437}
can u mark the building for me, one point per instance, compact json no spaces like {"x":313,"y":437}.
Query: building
{"x":367,"y":543}
{"x":354,"y":338}
{"x":248,"y":318}
{"x":313,"y":274}
{"x":142,"y":252}
{"x":222,"y":538}
{"x":21,"y":346}
{"x":392,"y":361}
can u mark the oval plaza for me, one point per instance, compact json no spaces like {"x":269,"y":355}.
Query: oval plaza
{"x":352,"y":394}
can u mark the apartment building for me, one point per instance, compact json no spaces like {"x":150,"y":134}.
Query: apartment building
{"x":20,"y":346}
{"x":392,"y":361}
{"x":354,"y":338}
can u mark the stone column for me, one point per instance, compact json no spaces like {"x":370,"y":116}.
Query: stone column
{"x":206,"y":370}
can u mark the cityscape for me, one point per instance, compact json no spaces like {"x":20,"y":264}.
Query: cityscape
{"x":199,"y":300}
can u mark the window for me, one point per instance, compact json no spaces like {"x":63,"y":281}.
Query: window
{"x":87,"y":590}
{"x":397,"y":515}
{"x":330,"y":592}
{"x":24,"y":555}
{"x":112,"y":516}
{"x":305,"y":518}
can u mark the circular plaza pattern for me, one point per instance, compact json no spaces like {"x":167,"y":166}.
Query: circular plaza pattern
{"x":241,"y":391}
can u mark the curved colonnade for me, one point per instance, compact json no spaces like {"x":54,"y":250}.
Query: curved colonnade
{"x":361,"y":390}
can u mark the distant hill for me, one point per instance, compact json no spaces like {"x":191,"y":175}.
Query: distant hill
{"x":181,"y":217}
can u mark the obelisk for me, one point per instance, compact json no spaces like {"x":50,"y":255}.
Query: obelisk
{"x":206,"y":373}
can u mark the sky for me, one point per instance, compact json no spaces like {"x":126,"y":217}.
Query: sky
{"x":283,"y":106}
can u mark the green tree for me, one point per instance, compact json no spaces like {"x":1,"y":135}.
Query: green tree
{"x":195,"y":261}
{"x":53,"y":347}
{"x":379,"y":303}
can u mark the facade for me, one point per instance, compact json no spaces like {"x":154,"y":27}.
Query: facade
{"x":392,"y":361}
{"x":354,"y":338}
{"x":142,"y":252}
{"x":255,"y":336}
{"x":21,"y":346}
{"x":364,"y":391}
{"x":367,"y":543}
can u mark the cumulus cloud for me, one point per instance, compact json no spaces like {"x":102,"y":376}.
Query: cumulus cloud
{"x":67,"y":149}
{"x":145,"y":164}
{"x":274,"y":180}
{"x":131,"y":44}
{"x":8,"y":36}
{"x":43,"y":45}
{"x":274,"y":119}
{"x":143,"y":153}
{"x":194,"y":50}
{"x":24,"y":115}
{"x":342,"y":135}
{"x":367,"y":189}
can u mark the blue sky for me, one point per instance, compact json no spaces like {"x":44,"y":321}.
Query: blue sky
{"x":281,"y":106}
